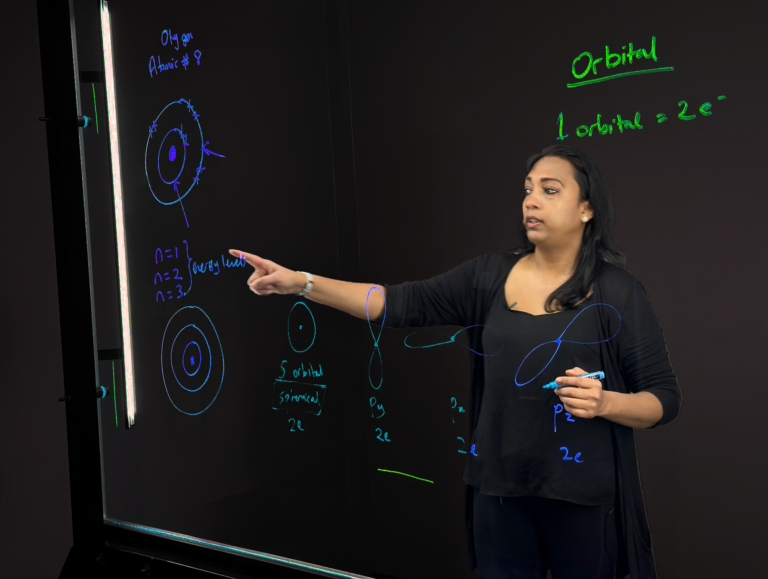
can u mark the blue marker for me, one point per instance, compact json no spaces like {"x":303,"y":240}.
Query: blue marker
{"x":594,"y":376}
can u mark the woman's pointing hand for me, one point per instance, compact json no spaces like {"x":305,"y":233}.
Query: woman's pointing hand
{"x":268,"y":277}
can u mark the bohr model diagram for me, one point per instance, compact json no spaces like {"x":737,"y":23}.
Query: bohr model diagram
{"x":175,"y":154}
{"x":192,"y":361}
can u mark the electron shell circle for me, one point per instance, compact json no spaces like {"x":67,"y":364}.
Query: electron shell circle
{"x":191,"y":359}
{"x":301,"y":328}
{"x":184,"y":358}
{"x":172,"y":157}
{"x":179,"y":119}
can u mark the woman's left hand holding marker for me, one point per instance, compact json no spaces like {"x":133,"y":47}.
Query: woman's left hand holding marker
{"x":581,"y":397}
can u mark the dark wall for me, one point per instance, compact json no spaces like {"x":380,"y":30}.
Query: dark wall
{"x":35,"y":522}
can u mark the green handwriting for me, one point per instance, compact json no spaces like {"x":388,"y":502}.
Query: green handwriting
{"x":606,"y":128}
{"x":585,"y":64}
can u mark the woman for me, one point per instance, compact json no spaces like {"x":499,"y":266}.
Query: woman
{"x":553,"y":480}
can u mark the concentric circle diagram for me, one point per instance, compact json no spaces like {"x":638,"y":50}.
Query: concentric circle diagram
{"x":175,"y":153}
{"x":192,"y":361}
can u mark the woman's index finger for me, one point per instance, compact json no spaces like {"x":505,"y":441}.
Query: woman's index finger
{"x":249,"y":258}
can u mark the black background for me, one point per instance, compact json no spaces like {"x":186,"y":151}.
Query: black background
{"x":240,"y":473}
{"x":36,"y":524}
{"x":448,"y":99}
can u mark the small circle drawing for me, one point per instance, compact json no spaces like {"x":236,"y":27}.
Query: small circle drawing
{"x":301,"y":328}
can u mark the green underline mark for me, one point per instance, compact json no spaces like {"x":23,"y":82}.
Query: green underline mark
{"x":593,"y":81}
{"x":114,"y":394}
{"x":95,"y":112}
{"x":409,"y":475}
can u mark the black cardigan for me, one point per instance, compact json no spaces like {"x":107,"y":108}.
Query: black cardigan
{"x":462,"y":297}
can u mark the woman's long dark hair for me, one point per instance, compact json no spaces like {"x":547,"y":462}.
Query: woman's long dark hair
{"x":596,"y":245}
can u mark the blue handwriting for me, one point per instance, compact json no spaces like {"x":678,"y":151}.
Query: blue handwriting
{"x":573,"y":458}
{"x":173,"y":275}
{"x":302,"y":372}
{"x":193,"y":268}
{"x":558,"y":410}
{"x":288,"y":395}
{"x":291,"y":397}
{"x":455,"y":406}
{"x":168,"y":38}
{"x":239,"y":262}
{"x":463,"y":444}
{"x":205,"y":266}
{"x":378,"y":407}
{"x":208,"y":266}
{"x":174,"y":252}
{"x":156,"y":66}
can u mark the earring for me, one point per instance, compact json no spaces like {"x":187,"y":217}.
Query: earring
{"x":584,"y":218}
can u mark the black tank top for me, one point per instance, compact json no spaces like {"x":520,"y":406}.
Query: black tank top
{"x":525,"y":443}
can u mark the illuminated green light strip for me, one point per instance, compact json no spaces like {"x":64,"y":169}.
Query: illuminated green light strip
{"x":95,"y":111}
{"x":404,"y":474}
{"x":594,"y":80}
{"x":117,"y":186}
{"x":317,"y":569}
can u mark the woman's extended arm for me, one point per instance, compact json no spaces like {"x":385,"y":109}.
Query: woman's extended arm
{"x":351,"y":298}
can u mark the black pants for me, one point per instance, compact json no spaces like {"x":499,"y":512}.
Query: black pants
{"x":522,"y":537}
